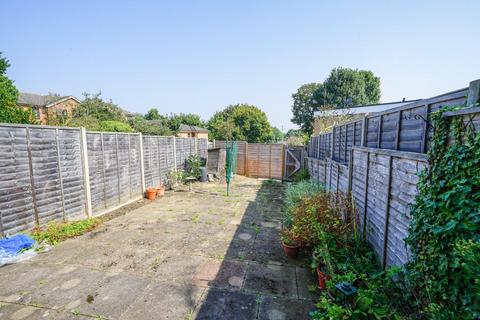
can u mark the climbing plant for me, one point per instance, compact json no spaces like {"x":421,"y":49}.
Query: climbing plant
{"x":444,"y":235}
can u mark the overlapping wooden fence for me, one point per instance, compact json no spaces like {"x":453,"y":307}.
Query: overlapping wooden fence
{"x":57,"y":173}
{"x":381,"y":171}
{"x":258,"y":160}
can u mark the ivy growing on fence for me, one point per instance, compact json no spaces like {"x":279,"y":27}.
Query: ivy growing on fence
{"x":444,"y":235}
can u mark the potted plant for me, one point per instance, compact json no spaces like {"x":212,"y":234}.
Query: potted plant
{"x":175,"y":178}
{"x":290,"y":243}
{"x":161,"y":190}
{"x":150,"y":193}
{"x":320,"y":268}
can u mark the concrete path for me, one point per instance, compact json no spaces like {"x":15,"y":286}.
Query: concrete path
{"x":195,"y":255}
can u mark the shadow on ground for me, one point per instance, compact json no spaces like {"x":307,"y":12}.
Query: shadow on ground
{"x":256,"y":280}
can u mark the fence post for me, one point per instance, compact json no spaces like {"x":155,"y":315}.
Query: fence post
{"x":397,"y":134}
{"x":350,"y":171}
{"x":129,"y":166}
{"x":174,"y":153}
{"x":270,"y":162}
{"x":86,"y":171}
{"x":118,"y":169}
{"x":159,"y":166}
{"x":245,"y":166}
{"x":32,"y":180}
{"x":363,"y":139}
{"x":365,"y":197}
{"x":473,"y":93}
{"x":60,"y":178}
{"x":104,"y":173}
{"x":387,"y":214}
{"x":142,"y":163}
{"x":379,"y":132}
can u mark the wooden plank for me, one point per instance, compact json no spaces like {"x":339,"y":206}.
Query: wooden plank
{"x":104,"y":172}
{"x":379,"y":132}
{"x":59,"y":168}
{"x":365,"y":196}
{"x":32,"y":181}
{"x":425,"y":129}
{"x":461,"y":112}
{"x":387,"y":214}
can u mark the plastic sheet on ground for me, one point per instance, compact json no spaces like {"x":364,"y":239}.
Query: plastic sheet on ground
{"x":17,"y":248}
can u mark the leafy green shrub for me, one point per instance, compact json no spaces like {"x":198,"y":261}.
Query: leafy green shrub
{"x":293,"y":195}
{"x":56,"y":232}
{"x":193,"y":164}
{"x":301,"y":175}
{"x":115,"y":126}
{"x":444,"y":235}
{"x":175,"y":177}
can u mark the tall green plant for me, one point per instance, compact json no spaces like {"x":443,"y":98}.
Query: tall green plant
{"x":444,"y":235}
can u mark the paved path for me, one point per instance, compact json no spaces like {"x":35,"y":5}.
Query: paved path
{"x":194,"y":255}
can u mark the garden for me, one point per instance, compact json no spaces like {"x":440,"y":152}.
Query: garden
{"x":440,"y":281}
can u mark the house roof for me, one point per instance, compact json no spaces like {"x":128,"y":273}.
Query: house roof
{"x":369,"y":108}
{"x":33,"y":99}
{"x":191,"y":129}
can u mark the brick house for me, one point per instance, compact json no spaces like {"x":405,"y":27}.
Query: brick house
{"x":186,"y":131}
{"x":48,"y":109}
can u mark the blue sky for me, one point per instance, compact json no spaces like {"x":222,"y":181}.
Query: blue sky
{"x":200,"y":56}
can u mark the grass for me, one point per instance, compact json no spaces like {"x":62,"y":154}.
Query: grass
{"x":56,"y":232}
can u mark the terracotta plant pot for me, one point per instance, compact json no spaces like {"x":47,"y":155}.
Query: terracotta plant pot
{"x":151,"y":193}
{"x":322,"y":279}
{"x":291,"y":251}
{"x":160,"y":191}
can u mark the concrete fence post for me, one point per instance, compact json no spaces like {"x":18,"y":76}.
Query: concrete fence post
{"x":174,"y":153}
{"x":142,"y":163}
{"x":86,"y":171}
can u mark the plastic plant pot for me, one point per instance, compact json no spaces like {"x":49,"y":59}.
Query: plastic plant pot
{"x":160,"y":191}
{"x":291,"y":251}
{"x":322,"y":279}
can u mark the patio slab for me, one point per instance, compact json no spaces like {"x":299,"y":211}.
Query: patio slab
{"x":198,"y":255}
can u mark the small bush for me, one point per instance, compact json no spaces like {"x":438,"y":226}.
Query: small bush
{"x":301,"y":175}
{"x":295,"y":192}
{"x":56,"y":232}
{"x":193,"y":164}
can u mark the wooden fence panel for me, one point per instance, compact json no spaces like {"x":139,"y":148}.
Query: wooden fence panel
{"x":17,"y":210}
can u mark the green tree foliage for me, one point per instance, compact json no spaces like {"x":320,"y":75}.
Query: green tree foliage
{"x":115,"y":126}
{"x":241,"y":122}
{"x":151,"y":127}
{"x":153,"y":114}
{"x":305,"y":104}
{"x":9,"y":111}
{"x":277,"y":135}
{"x":97,"y":115}
{"x":347,"y":87}
{"x":94,"y":106}
{"x":343,"y":88}
{"x":175,"y":120}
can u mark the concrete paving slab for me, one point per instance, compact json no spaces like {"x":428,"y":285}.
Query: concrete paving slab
{"x":222,"y":304}
{"x":165,"y":301}
{"x":274,"y":308}
{"x":271,"y":280}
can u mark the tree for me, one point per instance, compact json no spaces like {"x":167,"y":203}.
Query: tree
{"x":97,"y":115}
{"x":305,"y":104}
{"x":241,"y":122}
{"x":343,"y":88}
{"x":190,"y":119}
{"x":94,"y":106}
{"x":153,"y":114}
{"x":150,"y":127}
{"x":277,"y":135}
{"x":9,"y":111}
{"x":347,"y":87}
